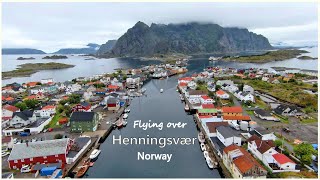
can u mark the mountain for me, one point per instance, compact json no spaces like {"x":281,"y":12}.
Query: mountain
{"x":189,"y":38}
{"x":90,"y":49}
{"x":104,"y":48}
{"x":21,"y":51}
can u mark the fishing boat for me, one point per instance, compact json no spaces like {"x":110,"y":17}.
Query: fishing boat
{"x":161,"y":90}
{"x":203,"y":147}
{"x":186,"y":107}
{"x":127,"y":110}
{"x":91,"y":164}
{"x":119,"y":123}
{"x":201,"y":137}
{"x":206,"y":154}
{"x":125,"y":116}
{"x":94,"y":154}
{"x":83,"y":169}
{"x":209,"y":162}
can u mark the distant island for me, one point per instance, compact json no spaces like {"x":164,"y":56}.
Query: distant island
{"x":307,"y":58}
{"x":31,"y":68}
{"x":278,"y":55}
{"x":55,"y":57}
{"x":90,"y":48}
{"x":25,"y":58}
{"x":21,"y":51}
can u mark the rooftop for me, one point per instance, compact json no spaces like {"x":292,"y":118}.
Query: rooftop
{"x":81,"y":116}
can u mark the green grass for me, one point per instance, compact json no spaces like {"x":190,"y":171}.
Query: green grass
{"x":282,"y":119}
{"x":307,"y":121}
{"x":250,"y":112}
{"x":53,"y":122}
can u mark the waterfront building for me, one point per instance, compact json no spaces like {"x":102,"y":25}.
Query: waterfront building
{"x":241,"y":164}
{"x":84,"y":121}
{"x":227,"y":136}
{"x":49,"y":151}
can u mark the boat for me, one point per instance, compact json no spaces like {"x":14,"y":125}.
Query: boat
{"x":89,"y":59}
{"x":201,"y":137}
{"x":181,"y":97}
{"x":143,"y":90}
{"x":83,"y":169}
{"x":94,"y":154}
{"x":125,"y":116}
{"x":127,"y":110}
{"x":161,"y":90}
{"x":119,"y":123}
{"x":91,"y":164}
{"x":209,"y":162}
{"x":203,"y":147}
{"x":124,"y":123}
{"x":186,"y":107}
{"x":206,"y":154}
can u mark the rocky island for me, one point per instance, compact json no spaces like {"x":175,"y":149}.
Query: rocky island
{"x":307,"y":58}
{"x":55,"y":57}
{"x":27,"y":58}
{"x":31,"y":68}
{"x":278,"y":55}
{"x":161,"y":40}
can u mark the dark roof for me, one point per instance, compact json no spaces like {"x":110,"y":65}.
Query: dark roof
{"x":262,"y":112}
{"x":81,"y":116}
{"x":213,"y":125}
{"x":226,"y":131}
{"x":283,"y":107}
{"x":80,"y":142}
{"x":261,"y":131}
{"x":37,"y":167}
{"x":85,"y":104}
{"x":24,"y":114}
{"x":112,"y":100}
{"x":197,"y":92}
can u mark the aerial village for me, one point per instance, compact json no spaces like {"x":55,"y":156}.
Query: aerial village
{"x":54,"y":129}
{"x":237,"y":124}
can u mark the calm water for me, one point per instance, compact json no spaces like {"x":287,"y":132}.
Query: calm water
{"x":121,"y":160}
{"x":99,"y":66}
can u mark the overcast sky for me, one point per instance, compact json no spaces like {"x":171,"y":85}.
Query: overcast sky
{"x":51,"y":26}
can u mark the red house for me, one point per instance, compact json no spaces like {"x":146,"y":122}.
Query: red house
{"x":43,"y":152}
{"x":82,"y":107}
{"x":113,"y":88}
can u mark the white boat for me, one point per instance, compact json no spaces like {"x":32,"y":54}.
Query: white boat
{"x":203,"y":147}
{"x":206,"y":154}
{"x":25,"y":169}
{"x":124,"y":123}
{"x":125,"y":116}
{"x":161,"y":90}
{"x":94,"y":154}
{"x":201,"y":137}
{"x":186,"y":107}
{"x":209,"y":163}
{"x":143,"y":90}
{"x":127,"y":110}
{"x":181,"y":97}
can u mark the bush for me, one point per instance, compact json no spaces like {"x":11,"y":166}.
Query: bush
{"x":58,"y":136}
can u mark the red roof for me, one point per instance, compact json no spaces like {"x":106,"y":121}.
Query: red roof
{"x":9,"y":98}
{"x":6,"y":118}
{"x":220,"y":92}
{"x":48,"y":107}
{"x":185,"y":79}
{"x":182,"y":84}
{"x":243,"y":118}
{"x":31,"y":84}
{"x":32,"y":97}
{"x":281,"y":158}
{"x":113,"y":87}
{"x":234,"y":109}
{"x":10,"y":108}
{"x":63,"y":120}
{"x":207,"y":106}
{"x":205,"y":97}
{"x":6,"y":139}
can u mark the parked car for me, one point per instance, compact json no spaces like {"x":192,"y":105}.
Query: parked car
{"x":25,"y":169}
{"x":25,"y":134}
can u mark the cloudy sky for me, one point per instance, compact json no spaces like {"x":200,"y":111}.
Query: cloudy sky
{"x":51,"y":26}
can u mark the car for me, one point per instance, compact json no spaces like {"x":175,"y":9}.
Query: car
{"x":15,"y":140}
{"x":50,"y":130}
{"x":287,"y":130}
{"x":25,"y":169}
{"x":4,"y":153}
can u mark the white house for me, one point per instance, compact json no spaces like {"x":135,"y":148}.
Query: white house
{"x":184,"y":80}
{"x":195,"y":94}
{"x":37,"y":90}
{"x":263,"y":134}
{"x":47,"y":111}
{"x":222,"y":95}
{"x":227,"y":82}
{"x":206,"y":100}
{"x":87,"y":95}
{"x":265,"y":79}
{"x":227,"y":136}
{"x":22,"y":119}
{"x":47,"y":81}
{"x":231,"y":88}
{"x":8,"y":110}
{"x":261,"y":149}
{"x":72,"y":88}
{"x":192,"y":85}
{"x":246,"y":96}
{"x":247,"y":88}
{"x":285,"y":163}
